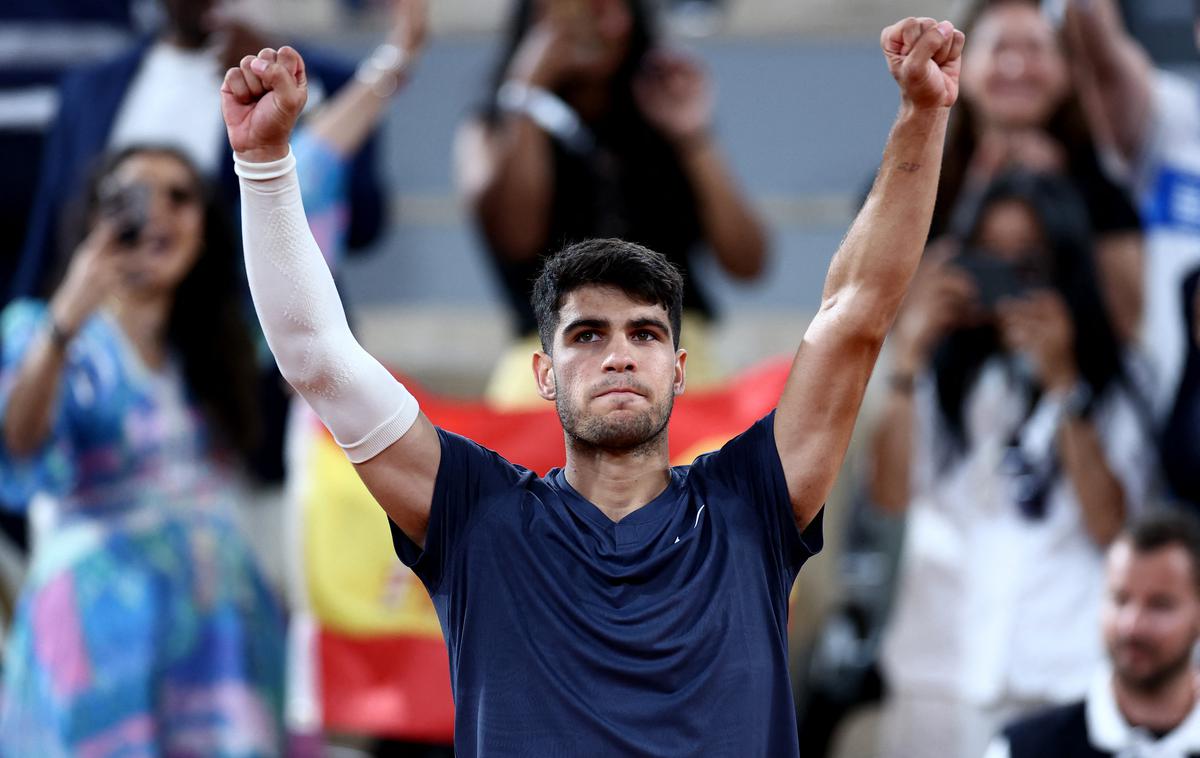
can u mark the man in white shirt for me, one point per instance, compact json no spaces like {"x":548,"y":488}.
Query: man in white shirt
{"x":1147,"y":705}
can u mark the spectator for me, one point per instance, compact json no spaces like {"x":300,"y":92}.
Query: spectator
{"x":144,"y":625}
{"x":1151,"y":121}
{"x":41,"y":40}
{"x":163,"y":90}
{"x":1147,"y":704}
{"x":1010,"y":439}
{"x":592,"y":130}
{"x":1019,"y":110}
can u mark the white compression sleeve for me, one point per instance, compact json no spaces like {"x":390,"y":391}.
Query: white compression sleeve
{"x":297,"y":303}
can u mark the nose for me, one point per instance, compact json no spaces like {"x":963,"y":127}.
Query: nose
{"x":1011,"y":64}
{"x":620,"y":356}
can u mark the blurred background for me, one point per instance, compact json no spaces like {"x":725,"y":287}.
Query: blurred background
{"x":803,"y":105}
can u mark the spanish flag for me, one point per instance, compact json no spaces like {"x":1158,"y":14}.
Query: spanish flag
{"x":381,"y":662}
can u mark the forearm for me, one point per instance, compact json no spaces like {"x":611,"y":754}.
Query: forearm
{"x":730,"y":225}
{"x":891,"y":449}
{"x":516,"y":198}
{"x":345,"y":122}
{"x":1115,"y":73}
{"x":29,"y":412}
{"x":1101,"y":496}
{"x":872,"y":269}
{"x":304,"y":322}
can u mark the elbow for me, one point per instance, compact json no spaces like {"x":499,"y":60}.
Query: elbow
{"x":745,"y":259}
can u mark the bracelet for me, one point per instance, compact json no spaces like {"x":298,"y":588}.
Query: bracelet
{"x":383,"y":70}
{"x":548,"y":111}
{"x":59,"y":337}
{"x":905,"y":384}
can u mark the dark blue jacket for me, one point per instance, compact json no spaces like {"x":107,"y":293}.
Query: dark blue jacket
{"x":91,"y":97}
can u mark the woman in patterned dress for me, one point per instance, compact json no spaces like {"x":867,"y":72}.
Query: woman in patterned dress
{"x":144,"y":627}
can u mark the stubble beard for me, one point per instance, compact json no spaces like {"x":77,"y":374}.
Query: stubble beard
{"x":636,"y":434}
{"x":1156,"y":679}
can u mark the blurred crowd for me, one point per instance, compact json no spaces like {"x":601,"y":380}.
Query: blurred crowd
{"x":1034,"y":420}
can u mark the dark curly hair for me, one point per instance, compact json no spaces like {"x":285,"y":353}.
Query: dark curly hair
{"x":639,"y":272}
{"x":207,"y":327}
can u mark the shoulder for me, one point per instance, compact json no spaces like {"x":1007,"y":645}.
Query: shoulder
{"x":465,"y":460}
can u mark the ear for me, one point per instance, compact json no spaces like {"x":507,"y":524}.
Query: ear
{"x":543,"y":375}
{"x":680,"y":371}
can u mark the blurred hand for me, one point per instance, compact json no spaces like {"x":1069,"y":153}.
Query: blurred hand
{"x":410,"y":26}
{"x":97,"y":270}
{"x":1039,"y":325}
{"x":941,"y":298}
{"x":235,"y":32}
{"x":924,"y":58}
{"x":549,"y":53}
{"x":1032,"y":150}
{"x":261,"y":100}
{"x":675,"y":96}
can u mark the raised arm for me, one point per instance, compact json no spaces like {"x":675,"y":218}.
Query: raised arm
{"x":394,"y":448}
{"x":1114,"y":75}
{"x":870,"y":272}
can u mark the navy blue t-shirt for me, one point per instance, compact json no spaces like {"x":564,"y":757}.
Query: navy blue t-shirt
{"x":663,"y":634}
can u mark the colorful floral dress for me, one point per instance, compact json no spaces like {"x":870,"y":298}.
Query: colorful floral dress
{"x":144,"y":627}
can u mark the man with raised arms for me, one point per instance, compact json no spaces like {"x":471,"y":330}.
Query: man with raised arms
{"x":617,"y":606}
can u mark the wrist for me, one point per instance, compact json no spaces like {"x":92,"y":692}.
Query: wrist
{"x":693,"y":143}
{"x":264,"y":154}
{"x":384,"y":70}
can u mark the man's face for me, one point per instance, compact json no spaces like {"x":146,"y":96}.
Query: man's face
{"x":614,"y":371}
{"x":1151,"y":617}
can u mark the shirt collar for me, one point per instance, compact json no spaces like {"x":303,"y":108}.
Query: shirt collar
{"x":1108,"y":730}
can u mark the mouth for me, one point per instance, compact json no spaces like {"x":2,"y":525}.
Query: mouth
{"x":625,"y":393}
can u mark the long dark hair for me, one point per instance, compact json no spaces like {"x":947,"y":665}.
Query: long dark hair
{"x":1064,"y":224}
{"x":642,"y":38}
{"x":1067,"y":125}
{"x":207,"y":326}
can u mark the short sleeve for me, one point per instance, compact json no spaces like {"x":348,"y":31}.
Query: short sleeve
{"x":1174,"y":125}
{"x":50,"y":468}
{"x":470,"y":478}
{"x":749,"y":465}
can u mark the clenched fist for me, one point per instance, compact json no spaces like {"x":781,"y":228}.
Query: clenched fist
{"x":261,"y":100}
{"x":924,"y":58}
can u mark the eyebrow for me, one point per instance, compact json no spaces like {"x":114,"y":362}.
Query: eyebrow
{"x":601,"y":323}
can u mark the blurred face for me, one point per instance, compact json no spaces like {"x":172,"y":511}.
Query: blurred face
{"x":600,"y":30}
{"x":172,"y":238}
{"x":1151,"y":616}
{"x":186,"y":19}
{"x":1014,"y":73}
{"x":614,"y":372}
{"x":1011,"y":232}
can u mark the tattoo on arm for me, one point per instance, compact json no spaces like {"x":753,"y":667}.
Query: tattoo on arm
{"x":909,"y":168}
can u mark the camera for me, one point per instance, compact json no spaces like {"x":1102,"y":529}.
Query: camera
{"x":129,"y":208}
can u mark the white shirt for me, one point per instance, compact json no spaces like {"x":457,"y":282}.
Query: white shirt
{"x":175,"y":100}
{"x":1110,"y":732}
{"x":1167,"y":185}
{"x":991,"y":605}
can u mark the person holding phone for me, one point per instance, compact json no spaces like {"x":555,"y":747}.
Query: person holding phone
{"x":1011,"y":438}
{"x":145,"y":624}
{"x":592,"y":129}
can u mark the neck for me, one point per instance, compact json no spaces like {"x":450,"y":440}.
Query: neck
{"x":1162,"y":709}
{"x":619,"y":482}
{"x":143,"y":318}
{"x":185,"y":39}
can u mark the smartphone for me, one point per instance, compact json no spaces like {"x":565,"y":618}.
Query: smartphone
{"x":994,"y":279}
{"x":129,"y":207}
